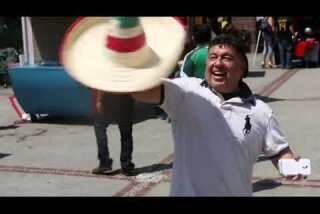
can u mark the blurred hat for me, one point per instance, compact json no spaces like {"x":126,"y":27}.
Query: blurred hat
{"x":122,"y":54}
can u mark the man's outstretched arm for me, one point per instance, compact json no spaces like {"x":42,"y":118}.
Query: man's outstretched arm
{"x":150,"y":96}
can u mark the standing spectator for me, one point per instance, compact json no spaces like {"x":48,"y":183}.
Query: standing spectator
{"x":114,"y":108}
{"x":311,"y":52}
{"x":268,"y":34}
{"x":276,"y":45}
{"x":195,"y":61}
{"x":215,"y":25}
{"x":285,"y":32}
{"x":226,"y":25}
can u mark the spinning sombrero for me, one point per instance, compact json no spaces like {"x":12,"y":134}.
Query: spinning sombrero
{"x":122,"y":54}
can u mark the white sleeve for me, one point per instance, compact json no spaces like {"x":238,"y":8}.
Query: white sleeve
{"x":183,"y":66}
{"x":275,"y":141}
{"x":174,"y":95}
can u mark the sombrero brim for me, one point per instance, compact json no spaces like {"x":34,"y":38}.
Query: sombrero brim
{"x":84,"y":57}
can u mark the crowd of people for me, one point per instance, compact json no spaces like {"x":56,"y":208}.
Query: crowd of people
{"x":193,"y":63}
{"x":288,"y":42}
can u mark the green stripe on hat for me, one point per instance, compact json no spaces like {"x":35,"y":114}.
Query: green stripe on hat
{"x":127,"y":21}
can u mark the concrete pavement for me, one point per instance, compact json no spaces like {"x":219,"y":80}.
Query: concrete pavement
{"x":54,"y":158}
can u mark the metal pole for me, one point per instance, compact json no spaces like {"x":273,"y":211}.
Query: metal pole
{"x":27,"y":38}
{"x":23,"y":58}
{"x":30,"y":41}
{"x":256,"y":51}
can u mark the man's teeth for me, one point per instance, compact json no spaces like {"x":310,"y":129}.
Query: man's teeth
{"x":219,"y":73}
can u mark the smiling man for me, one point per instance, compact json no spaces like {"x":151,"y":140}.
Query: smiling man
{"x":219,"y":127}
{"x":226,"y":65}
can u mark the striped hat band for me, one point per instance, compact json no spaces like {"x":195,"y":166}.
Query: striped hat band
{"x":127,"y":35}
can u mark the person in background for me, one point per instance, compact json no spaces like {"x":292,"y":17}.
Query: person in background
{"x":285,"y":33}
{"x":276,"y":45}
{"x":194,"y":62}
{"x":227,"y":26}
{"x":311,"y":53}
{"x":215,"y":25}
{"x":114,"y":108}
{"x":268,"y":34}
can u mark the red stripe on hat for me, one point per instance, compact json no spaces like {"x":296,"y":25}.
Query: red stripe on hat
{"x":125,"y":44}
{"x":184,"y":23}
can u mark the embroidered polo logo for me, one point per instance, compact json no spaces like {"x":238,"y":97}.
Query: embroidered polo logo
{"x":247,"y":126}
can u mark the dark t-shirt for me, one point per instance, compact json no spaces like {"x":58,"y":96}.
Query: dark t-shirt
{"x":283,"y":32}
{"x":268,"y":34}
{"x":118,"y":108}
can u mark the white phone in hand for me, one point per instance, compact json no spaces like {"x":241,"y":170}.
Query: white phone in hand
{"x":289,"y":167}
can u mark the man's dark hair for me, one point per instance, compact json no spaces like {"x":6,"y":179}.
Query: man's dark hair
{"x":236,"y":43}
{"x":202,"y":33}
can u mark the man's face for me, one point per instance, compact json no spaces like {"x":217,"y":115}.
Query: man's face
{"x":224,"y":68}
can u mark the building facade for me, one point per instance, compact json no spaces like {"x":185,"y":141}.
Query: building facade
{"x":246,"y":23}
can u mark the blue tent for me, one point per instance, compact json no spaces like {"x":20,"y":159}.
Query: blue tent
{"x":39,"y":82}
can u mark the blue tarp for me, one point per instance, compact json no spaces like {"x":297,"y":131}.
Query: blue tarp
{"x":50,"y":90}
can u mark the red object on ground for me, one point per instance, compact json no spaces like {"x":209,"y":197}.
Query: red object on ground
{"x":299,"y":49}
{"x":310,"y":43}
{"x":16,"y":107}
{"x":302,"y":46}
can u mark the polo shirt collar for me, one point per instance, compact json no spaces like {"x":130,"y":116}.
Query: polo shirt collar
{"x":245,"y":95}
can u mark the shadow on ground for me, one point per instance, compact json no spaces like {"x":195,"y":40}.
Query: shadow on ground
{"x":256,"y":73}
{"x":146,"y":169}
{"x":153,"y":168}
{"x":142,"y":112}
{"x":268,"y":99}
{"x":8,"y":127}
{"x":63,"y":120}
{"x":3,"y":155}
{"x":265,"y":184}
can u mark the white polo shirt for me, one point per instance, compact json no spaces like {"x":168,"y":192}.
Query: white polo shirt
{"x":215,"y":148}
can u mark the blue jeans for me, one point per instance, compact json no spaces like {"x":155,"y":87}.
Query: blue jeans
{"x":100,"y":129}
{"x":268,"y":51}
{"x":285,"y":51}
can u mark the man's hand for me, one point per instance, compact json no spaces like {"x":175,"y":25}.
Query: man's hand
{"x":150,"y":96}
{"x":288,"y":154}
{"x":99,"y":107}
{"x":298,"y":177}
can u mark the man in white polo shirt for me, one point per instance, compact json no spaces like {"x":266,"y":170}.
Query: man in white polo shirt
{"x":219,"y":127}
